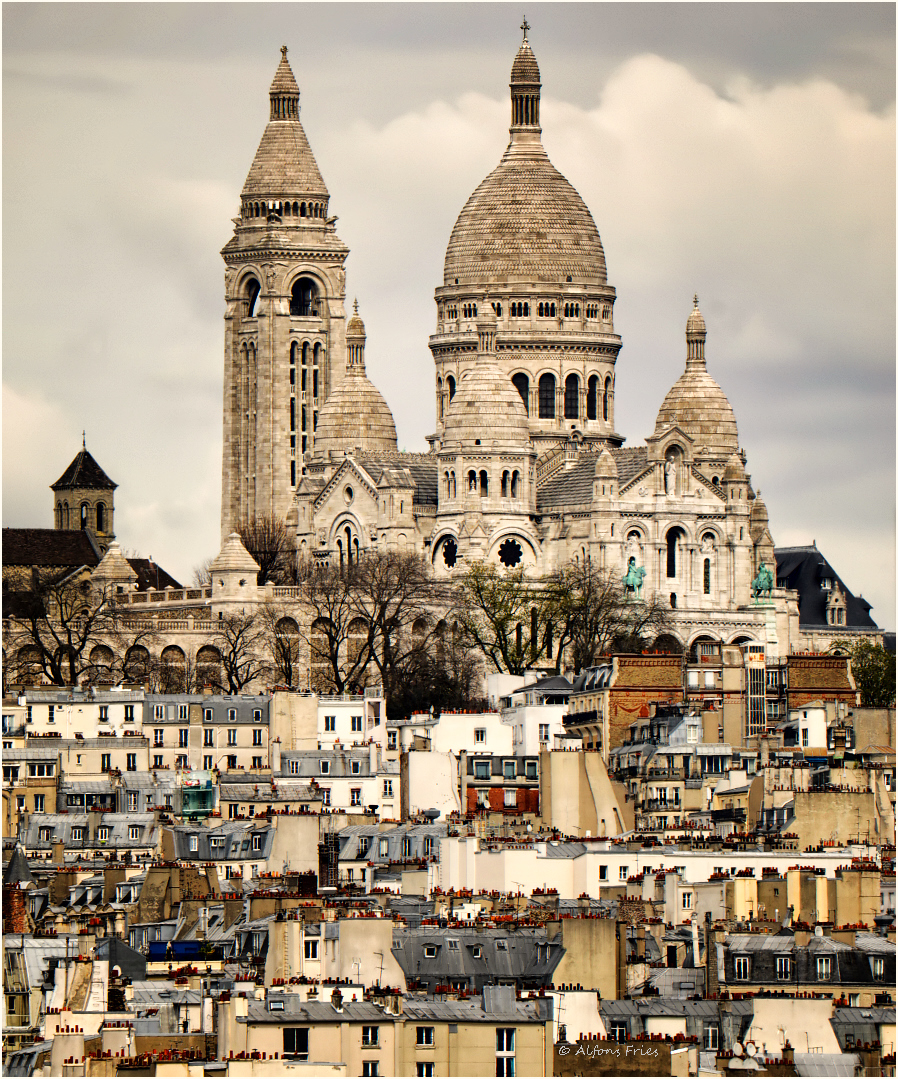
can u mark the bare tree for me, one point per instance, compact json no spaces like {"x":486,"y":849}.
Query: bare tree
{"x":282,"y":638}
{"x":240,"y":642}
{"x":339,"y":642}
{"x":68,"y":630}
{"x":202,"y":573}
{"x":268,"y":540}
{"x":589,"y":613}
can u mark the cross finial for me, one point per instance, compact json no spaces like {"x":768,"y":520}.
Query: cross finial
{"x":525,"y":26}
{"x":83,"y":440}
{"x":695,"y":300}
{"x":355,"y":306}
{"x":284,"y":51}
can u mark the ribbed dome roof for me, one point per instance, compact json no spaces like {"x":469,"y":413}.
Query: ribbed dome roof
{"x":355,"y":416}
{"x":355,"y":327}
{"x":696,"y":402}
{"x":524,"y":222}
{"x":525,"y":68}
{"x":487,"y":410}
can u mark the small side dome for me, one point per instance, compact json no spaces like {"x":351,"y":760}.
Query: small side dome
{"x":355,"y":416}
{"x":233,"y":558}
{"x":355,"y":327}
{"x":486,"y":410}
{"x":759,"y":515}
{"x":696,"y":321}
{"x":735,"y":470}
{"x":524,"y":68}
{"x":606,"y":466}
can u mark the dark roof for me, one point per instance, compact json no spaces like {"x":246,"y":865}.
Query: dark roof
{"x":569,"y":487}
{"x":84,"y":472}
{"x":149,"y":575}
{"x":49,"y":547}
{"x":17,"y":871}
{"x":424,"y":468}
{"x":630,"y":461}
{"x":802,"y":569}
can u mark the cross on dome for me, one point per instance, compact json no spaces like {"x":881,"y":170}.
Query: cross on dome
{"x":695,"y":300}
{"x":525,"y":26}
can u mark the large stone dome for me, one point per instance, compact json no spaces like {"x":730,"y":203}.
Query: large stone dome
{"x":696,"y":403}
{"x":525,"y":222}
{"x":355,"y":416}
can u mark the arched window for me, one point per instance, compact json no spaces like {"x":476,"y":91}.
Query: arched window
{"x":515,"y":477}
{"x":522,"y":384}
{"x":572,"y":397}
{"x":505,"y":484}
{"x":304,"y":294}
{"x":101,"y":517}
{"x":472,"y":481}
{"x":484,"y":484}
{"x":448,"y":486}
{"x":706,"y":582}
{"x":452,"y":481}
{"x":547,"y":397}
{"x":440,"y":396}
{"x":592,"y":394}
{"x":59,"y":515}
{"x":251,"y":291}
{"x":85,"y":521}
{"x":66,"y":520}
{"x":673,"y":542}
{"x":450,"y":382}
{"x":606,"y":397}
{"x":316,"y":362}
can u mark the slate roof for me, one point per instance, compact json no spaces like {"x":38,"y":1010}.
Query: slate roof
{"x":17,"y":871}
{"x":358,"y":1011}
{"x":569,"y":487}
{"x":237,"y":845}
{"x":630,"y":461}
{"x":67,"y":548}
{"x":84,"y":473}
{"x":150,"y":575}
{"x":802,"y":569}
{"x":424,"y":468}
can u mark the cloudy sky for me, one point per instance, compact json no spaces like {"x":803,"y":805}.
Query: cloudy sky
{"x":741,"y":151}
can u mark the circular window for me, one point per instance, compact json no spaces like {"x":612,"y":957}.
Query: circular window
{"x":450,"y":552}
{"x":510,"y":553}
{"x":347,"y":495}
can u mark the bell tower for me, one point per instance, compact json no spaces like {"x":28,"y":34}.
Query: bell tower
{"x":285,"y":339}
{"x":83,"y":498}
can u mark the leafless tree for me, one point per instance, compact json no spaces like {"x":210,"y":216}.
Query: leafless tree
{"x":280,"y":630}
{"x":339,"y":642}
{"x":240,"y":642}
{"x":268,"y":540}
{"x":202,"y":573}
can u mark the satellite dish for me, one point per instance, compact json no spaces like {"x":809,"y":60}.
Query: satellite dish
{"x":431,"y":814}
{"x":737,"y":1048}
{"x":751,"y":1048}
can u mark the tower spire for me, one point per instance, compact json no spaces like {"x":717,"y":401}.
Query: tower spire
{"x":525,"y":87}
{"x":696,"y":332}
{"x":284,"y":91}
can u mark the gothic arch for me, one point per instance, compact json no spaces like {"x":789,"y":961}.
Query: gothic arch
{"x":137,"y":663}
{"x":208,"y":666}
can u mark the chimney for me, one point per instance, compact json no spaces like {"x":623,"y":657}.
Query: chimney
{"x":788,"y":1053}
{"x":58,"y":849}
{"x":712,"y":981}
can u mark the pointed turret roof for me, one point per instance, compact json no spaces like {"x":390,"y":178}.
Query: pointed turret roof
{"x":284,"y":165}
{"x":17,"y":871}
{"x":83,"y":474}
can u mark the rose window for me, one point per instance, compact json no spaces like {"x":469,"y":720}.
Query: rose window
{"x":450,"y":552}
{"x":510,"y":553}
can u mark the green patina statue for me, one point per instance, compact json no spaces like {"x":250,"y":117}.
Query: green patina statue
{"x":633,"y":578}
{"x":762,"y":585}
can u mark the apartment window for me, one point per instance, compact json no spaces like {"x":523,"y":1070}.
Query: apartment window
{"x":424,"y":1036}
{"x":430,"y":951}
{"x":77,"y":834}
{"x":294,"y":768}
{"x":481,"y":769}
{"x":296,"y":1042}
{"x":504,"y":1050}
{"x":257,"y":738}
{"x":182,"y":737}
{"x":687,"y":900}
{"x":356,"y":723}
{"x":743,"y":968}
{"x":50,"y":713}
{"x":38,"y":803}
{"x":544,"y":732}
{"x":232,"y":738}
{"x":356,"y":768}
{"x":132,"y":801}
{"x":44,"y":834}
{"x":509,"y":769}
{"x":712,"y":1034}
{"x":824,"y":968}
{"x":388,"y":788}
{"x":129,"y":712}
{"x":383,"y":848}
{"x":257,"y":715}
{"x":232,"y":715}
{"x":370,"y":1036}
{"x":181,"y":760}
{"x":105,"y":762}
{"x":232,"y":760}
{"x":391,"y":740}
{"x":325,"y":796}
{"x":102,"y":834}
{"x":257,"y":762}
{"x":804,"y":737}
{"x":134,"y":831}
{"x":510,"y":797}
{"x":355,"y":796}
{"x":452,"y":945}
{"x":428,"y":845}
{"x":330,"y":723}
{"x":207,"y":715}
{"x":39,"y":770}
{"x":406,"y":846}
{"x":879,"y":964}
{"x":157,"y":761}
{"x":603,"y":872}
{"x":159,"y":737}
{"x":104,"y":713}
{"x":480,"y":734}
{"x":424,"y":1067}
{"x":783,"y":968}
{"x":158,"y":711}
{"x":324,"y":767}
{"x":370,"y":1067}
{"x":257,"y":842}
{"x":183,"y":712}
{"x":311,"y":949}
{"x":208,"y":737}
{"x":530,"y":769}
{"x":624,"y":872}
{"x":131,"y":762}
{"x":501,"y":946}
{"x":619,"y":1032}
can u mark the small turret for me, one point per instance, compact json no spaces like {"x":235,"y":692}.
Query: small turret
{"x":606,"y":477}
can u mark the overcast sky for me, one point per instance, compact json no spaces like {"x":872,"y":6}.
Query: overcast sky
{"x":741,"y":151}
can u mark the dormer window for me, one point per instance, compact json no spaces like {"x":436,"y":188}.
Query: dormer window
{"x":825,"y":583}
